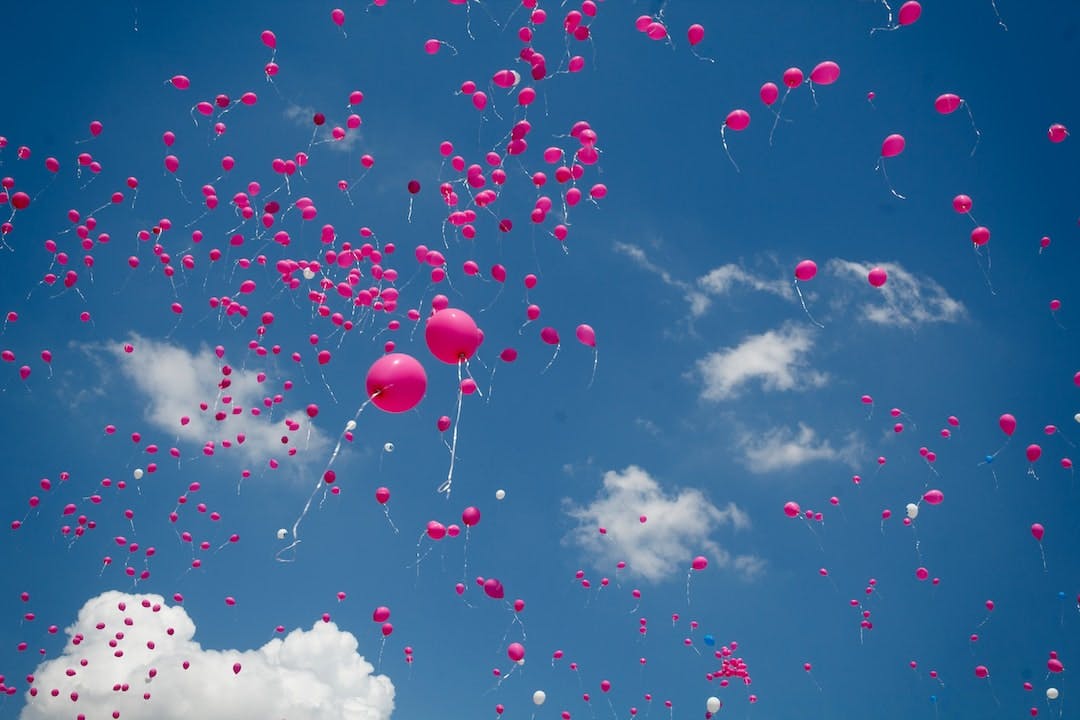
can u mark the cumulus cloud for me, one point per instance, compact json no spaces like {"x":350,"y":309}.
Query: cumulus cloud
{"x":777,"y":359}
{"x":677,"y":528}
{"x":905,"y":300}
{"x":314,"y":675}
{"x":175,"y":380}
{"x":783,"y":449}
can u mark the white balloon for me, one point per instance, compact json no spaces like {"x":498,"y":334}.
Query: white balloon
{"x":282,"y":534}
{"x":1051,"y":693}
{"x":137,"y":474}
{"x":500,"y":494}
{"x":309,"y":274}
{"x":912,"y":510}
{"x":388,"y":447}
{"x":350,"y":426}
{"x":713,"y":704}
{"x":539,"y":697}
{"x":1076,"y":417}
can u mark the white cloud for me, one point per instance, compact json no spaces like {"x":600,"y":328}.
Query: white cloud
{"x":699,"y":301}
{"x":782,"y":449}
{"x":316,"y":675}
{"x":677,"y":527}
{"x":775,"y":358}
{"x":724,"y":279}
{"x":303,"y":116}
{"x":175,"y":380}
{"x":905,"y":300}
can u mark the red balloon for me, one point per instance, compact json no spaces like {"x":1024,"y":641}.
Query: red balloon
{"x":396,"y":382}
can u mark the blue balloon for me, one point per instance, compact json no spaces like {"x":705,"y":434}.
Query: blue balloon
{"x":933,"y":698}
{"x":710,"y":640}
{"x":989,"y":459}
{"x":1061,"y":594}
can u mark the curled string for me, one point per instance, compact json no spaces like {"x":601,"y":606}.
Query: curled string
{"x":445,"y":487}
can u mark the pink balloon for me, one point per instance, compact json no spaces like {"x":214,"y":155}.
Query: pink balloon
{"x":980,"y":235}
{"x":494,"y":589}
{"x":695,"y":34}
{"x":737,"y":119}
{"x":769,"y":93}
{"x":962,"y":204}
{"x":825,"y":73}
{"x":922,"y":573}
{"x":180,"y":82}
{"x":981,"y":671}
{"x":338,"y":16}
{"x":791,"y":509}
{"x":435,"y":530}
{"x":1037,"y":531}
{"x":380,"y":614}
{"x":452,"y":335}
{"x":1057,"y":133}
{"x":1054,"y":665}
{"x":909,"y":12}
{"x":268,"y":38}
{"x":947,"y":103}
{"x":515,"y":651}
{"x":470,"y":516}
{"x":172,"y":163}
{"x":1007,"y":423}
{"x":699,"y":563}
{"x":934,"y":497}
{"x":793,"y":77}
{"x":550,"y":335}
{"x":1033,"y":452}
{"x":893,"y":145}
{"x":806,"y":270}
{"x":877,"y":277}
{"x":396,"y":382}
{"x":586,"y":335}
{"x":382,"y":495}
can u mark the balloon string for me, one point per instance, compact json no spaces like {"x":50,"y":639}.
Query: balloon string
{"x":552,"y":360}
{"x":776,"y":119}
{"x":993,"y":4}
{"x":888,"y":183}
{"x":445,"y":487}
{"x":978,"y":135}
{"x":596,"y":360}
{"x":723,"y":141}
{"x":1042,"y":552}
{"x":805,"y":310}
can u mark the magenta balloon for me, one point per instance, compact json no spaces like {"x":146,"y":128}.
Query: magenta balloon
{"x":981,"y":671}
{"x":699,"y":563}
{"x":793,"y":77}
{"x":1055,"y":665}
{"x":470,"y":516}
{"x":909,"y":12}
{"x":737,"y":119}
{"x":934,"y":497}
{"x":382,"y":495}
{"x":962,"y":203}
{"x":1033,"y":452}
{"x":516,"y":651}
{"x":268,"y":38}
{"x":494,"y":589}
{"x":1057,"y":133}
{"x":893,"y":145}
{"x":695,"y":34}
{"x":172,"y":163}
{"x":769,"y":93}
{"x":451,"y":335}
{"x":1037,"y":531}
{"x":550,"y":335}
{"x":825,"y":73}
{"x":947,"y":103}
{"x":980,"y":235}
{"x":380,"y":614}
{"x":806,"y":270}
{"x":435,"y":530}
{"x":1007,"y":423}
{"x":337,"y":15}
{"x":877,"y":277}
{"x":180,"y":82}
{"x":396,"y":382}
{"x":586,"y":335}
{"x":792,"y":509}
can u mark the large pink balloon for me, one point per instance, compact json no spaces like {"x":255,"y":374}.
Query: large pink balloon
{"x":947,"y":103}
{"x":1007,"y":423}
{"x":451,"y":335}
{"x":893,"y":145}
{"x":825,"y":73}
{"x":806,"y":270}
{"x":396,"y":382}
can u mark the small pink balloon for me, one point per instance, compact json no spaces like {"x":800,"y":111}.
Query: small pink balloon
{"x":515,"y":651}
{"x":738,"y":120}
{"x":877,"y":277}
{"x":586,"y":335}
{"x":180,"y":82}
{"x":934,"y":497}
{"x":1033,"y":452}
{"x":825,"y":73}
{"x":806,"y":270}
{"x":792,"y":509}
{"x":550,"y":335}
{"x":695,"y":34}
{"x":1007,"y":423}
{"x":962,"y":204}
{"x":909,"y":12}
{"x":769,"y":93}
{"x":1037,"y":531}
{"x":893,"y":145}
{"x":947,"y":103}
{"x":337,"y":15}
{"x":793,"y":77}
{"x":1057,"y":133}
{"x":981,"y":671}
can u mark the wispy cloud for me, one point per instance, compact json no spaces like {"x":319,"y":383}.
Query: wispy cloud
{"x":314,"y":674}
{"x":906,"y":300}
{"x":303,"y":116}
{"x":782,"y":449}
{"x":175,"y":380}
{"x":776,"y":359}
{"x":677,"y":528}
{"x":727,"y":278}
{"x":699,"y":301}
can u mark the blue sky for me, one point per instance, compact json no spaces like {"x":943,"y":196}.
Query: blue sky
{"x":716,"y":399}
